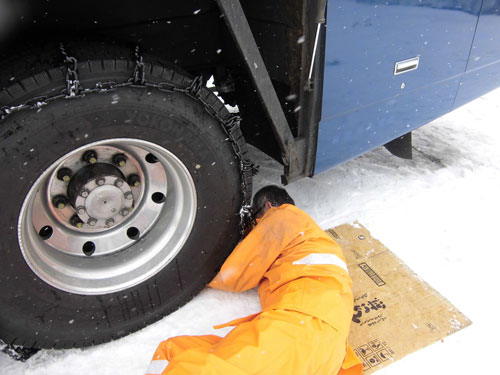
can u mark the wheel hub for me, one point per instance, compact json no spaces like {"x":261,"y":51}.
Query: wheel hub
{"x":100,"y":196}
{"x":107,"y":216}
{"x":107,"y":205}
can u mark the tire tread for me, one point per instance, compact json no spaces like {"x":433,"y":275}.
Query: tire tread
{"x":145,"y":303}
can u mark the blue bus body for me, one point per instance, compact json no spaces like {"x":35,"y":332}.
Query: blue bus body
{"x":365,"y":104}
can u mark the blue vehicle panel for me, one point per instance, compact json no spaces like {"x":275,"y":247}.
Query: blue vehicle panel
{"x":483,"y":69}
{"x":365,"y":104}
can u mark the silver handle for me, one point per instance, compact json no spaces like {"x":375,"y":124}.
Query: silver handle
{"x":406,"y":65}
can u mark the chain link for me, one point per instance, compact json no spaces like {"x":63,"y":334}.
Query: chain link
{"x":16,"y":352}
{"x":139,"y":74}
{"x":231,"y":125}
{"x":72,"y":82}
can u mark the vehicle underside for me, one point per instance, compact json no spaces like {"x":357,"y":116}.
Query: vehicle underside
{"x":194,"y":36}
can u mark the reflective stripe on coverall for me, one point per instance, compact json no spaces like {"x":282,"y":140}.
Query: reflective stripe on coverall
{"x":306,"y":298}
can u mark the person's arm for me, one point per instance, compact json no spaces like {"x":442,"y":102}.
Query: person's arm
{"x":253,"y":256}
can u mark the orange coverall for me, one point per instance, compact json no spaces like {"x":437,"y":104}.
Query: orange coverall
{"x":306,"y":298}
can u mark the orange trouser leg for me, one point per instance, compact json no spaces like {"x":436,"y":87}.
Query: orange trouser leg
{"x":284,"y":342}
{"x":276,"y":342}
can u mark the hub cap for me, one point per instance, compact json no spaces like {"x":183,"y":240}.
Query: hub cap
{"x":107,"y":216}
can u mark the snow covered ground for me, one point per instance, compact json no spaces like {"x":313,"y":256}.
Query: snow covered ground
{"x":438,"y":212}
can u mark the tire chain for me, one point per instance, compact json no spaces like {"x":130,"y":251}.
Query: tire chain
{"x":75,"y":90}
{"x":16,"y":352}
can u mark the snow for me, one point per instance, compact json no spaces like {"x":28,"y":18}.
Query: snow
{"x":437,"y":212}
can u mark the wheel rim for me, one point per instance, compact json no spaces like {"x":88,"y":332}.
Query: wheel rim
{"x":107,"y":216}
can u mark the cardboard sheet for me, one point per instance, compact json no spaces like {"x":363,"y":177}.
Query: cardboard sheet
{"x":395,"y":312}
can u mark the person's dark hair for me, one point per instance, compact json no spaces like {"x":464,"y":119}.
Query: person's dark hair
{"x":272,"y":193}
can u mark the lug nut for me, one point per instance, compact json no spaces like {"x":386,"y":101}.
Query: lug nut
{"x":129,"y":195}
{"x":92,"y":221}
{"x":90,"y":156}
{"x":110,"y":222}
{"x":118,"y":182}
{"x":80,"y":210}
{"x":76,"y":221}
{"x":64,"y":174}
{"x":124,"y":212}
{"x":100,"y":181}
{"x":134,"y":180}
{"x":119,"y":160}
{"x":84,"y":193}
{"x":60,"y":201}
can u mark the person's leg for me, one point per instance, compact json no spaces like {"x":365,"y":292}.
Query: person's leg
{"x":283,"y":342}
{"x":275,"y":342}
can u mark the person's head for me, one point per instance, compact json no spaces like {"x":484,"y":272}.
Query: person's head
{"x":267,"y":197}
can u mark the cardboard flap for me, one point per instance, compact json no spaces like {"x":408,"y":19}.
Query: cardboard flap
{"x":395,"y":312}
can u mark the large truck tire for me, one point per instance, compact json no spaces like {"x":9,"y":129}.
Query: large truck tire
{"x":117,"y":207}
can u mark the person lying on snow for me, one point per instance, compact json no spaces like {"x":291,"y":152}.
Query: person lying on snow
{"x":305,"y":294}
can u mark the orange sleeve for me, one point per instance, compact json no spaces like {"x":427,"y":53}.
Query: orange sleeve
{"x":253,"y":256}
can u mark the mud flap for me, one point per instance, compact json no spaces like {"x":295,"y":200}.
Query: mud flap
{"x":401,"y":147}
